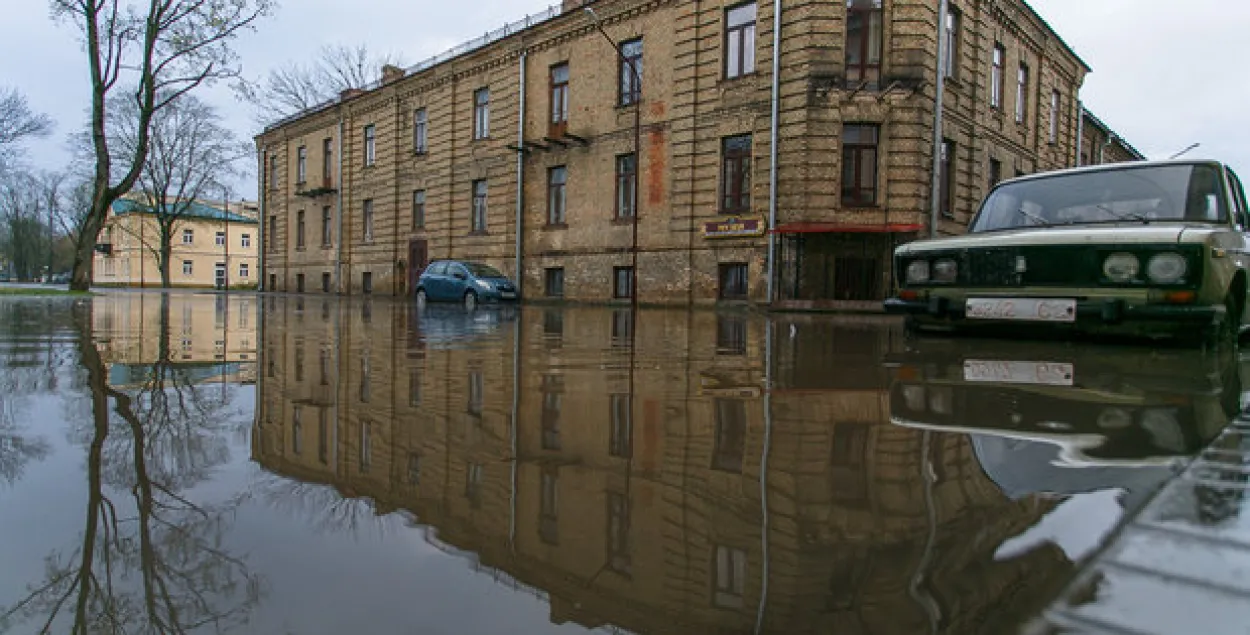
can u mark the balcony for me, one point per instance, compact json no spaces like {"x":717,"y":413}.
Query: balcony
{"x":325,"y":187}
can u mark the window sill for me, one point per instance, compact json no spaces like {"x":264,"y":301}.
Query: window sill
{"x":861,"y":206}
{"x":726,"y":79}
{"x":327,"y":247}
{"x":301,"y":249}
{"x":627,"y":107}
{"x":555,"y":226}
{"x":420,"y":153}
{"x":623,"y":220}
{"x":481,"y":232}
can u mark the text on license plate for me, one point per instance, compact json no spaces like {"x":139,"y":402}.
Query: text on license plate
{"x":1012,"y":372}
{"x":1029,"y":309}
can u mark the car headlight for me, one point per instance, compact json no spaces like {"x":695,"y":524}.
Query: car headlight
{"x":918,"y":272}
{"x":1115,"y":419}
{"x":944,"y":270}
{"x":482,"y":284}
{"x":914,"y":397}
{"x":1167,"y":268}
{"x":1121,"y":267}
{"x":1164,"y":428}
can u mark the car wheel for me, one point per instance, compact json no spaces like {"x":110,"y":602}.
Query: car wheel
{"x":1224,"y":335}
{"x":421,"y":298}
{"x":470,"y":301}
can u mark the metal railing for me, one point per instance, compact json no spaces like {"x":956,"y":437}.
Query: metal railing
{"x":475,"y":44}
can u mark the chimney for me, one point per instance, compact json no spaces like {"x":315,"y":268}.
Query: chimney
{"x":390,"y":73}
{"x":349,"y":93}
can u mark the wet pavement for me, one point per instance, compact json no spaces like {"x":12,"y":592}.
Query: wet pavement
{"x":250,"y":464}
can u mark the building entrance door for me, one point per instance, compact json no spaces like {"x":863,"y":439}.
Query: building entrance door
{"x":418,"y":257}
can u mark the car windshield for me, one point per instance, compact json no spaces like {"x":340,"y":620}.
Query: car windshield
{"x":1189,"y":193}
{"x":483,"y":271}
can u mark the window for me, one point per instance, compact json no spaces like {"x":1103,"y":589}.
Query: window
{"x":848,"y":464}
{"x":299,"y":283}
{"x":559,"y":99}
{"x":473,"y":483}
{"x":297,"y":429}
{"x":1054,"y":117}
{"x":630,"y":79}
{"x":420,"y":131}
{"x":273,"y":233}
{"x":947,"y":178}
{"x":951,"y":43}
{"x":864,"y":30}
{"x":273,"y":282}
{"x":740,"y":40}
{"x":414,"y":387}
{"x":327,"y":228}
{"x":618,"y":533}
{"x":733,"y":281}
{"x":996,"y":76}
{"x":477,"y":392}
{"x":220,"y":239}
{"x":548,"y":519}
{"x":414,"y":469}
{"x":418,"y":209}
{"x":730,"y":577}
{"x":622,"y":327}
{"x":366,"y":446}
{"x":299,"y":229}
{"x":621,"y":436}
{"x":859,"y":165}
{"x":327,"y":159}
{"x":996,"y":172}
{"x":626,"y":185}
{"x":731,"y":335}
{"x":244,"y":270}
{"x":323,"y":437}
{"x":481,"y":113}
{"x":553,"y":282}
{"x":188,"y":237}
{"x":736,"y":175}
{"x":325,"y":282}
{"x":323,"y":367}
{"x":731,"y":432}
{"x":553,"y":406}
{"x":367,"y":218}
{"x":366,"y":282}
{"x":273,"y":171}
{"x":366,"y":382}
{"x":245,"y":240}
{"x":553,"y":328}
{"x":622,"y":282}
{"x":301,"y":165}
{"x":557,"y":201}
{"x":1022,"y":93}
{"x":479,"y":207}
{"x":187,"y":267}
{"x":299,"y":361}
{"x":371,"y":155}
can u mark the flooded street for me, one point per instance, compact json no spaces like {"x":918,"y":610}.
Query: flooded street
{"x":280,"y":464}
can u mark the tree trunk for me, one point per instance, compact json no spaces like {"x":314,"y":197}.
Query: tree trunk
{"x":162,"y":262}
{"x":84,"y":255}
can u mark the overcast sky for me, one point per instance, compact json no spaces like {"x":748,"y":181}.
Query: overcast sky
{"x":1164,"y":78}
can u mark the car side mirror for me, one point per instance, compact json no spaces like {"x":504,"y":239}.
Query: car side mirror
{"x":459,"y":275}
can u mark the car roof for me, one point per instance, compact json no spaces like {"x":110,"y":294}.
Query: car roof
{"x":1112,"y":167}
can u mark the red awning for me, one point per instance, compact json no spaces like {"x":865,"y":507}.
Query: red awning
{"x":815,"y":227}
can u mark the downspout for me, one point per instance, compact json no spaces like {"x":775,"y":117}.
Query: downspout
{"x":338,"y":255}
{"x":935,"y":201}
{"x":1080,"y":131}
{"x":768,"y":441}
{"x":262,"y":261}
{"x":520,"y":178}
{"x":772,"y":153}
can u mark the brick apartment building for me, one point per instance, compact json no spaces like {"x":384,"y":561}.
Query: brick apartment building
{"x":643,"y":499}
{"x":520,"y":149}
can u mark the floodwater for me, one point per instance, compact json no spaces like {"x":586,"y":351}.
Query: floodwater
{"x":270,"y":464}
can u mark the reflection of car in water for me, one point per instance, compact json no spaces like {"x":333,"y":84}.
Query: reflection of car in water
{"x":449,"y":326}
{"x":1101,"y":406}
{"x":469,"y":283}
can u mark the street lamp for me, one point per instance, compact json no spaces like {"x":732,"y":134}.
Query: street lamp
{"x":637,"y":103}
{"x":1185,"y":151}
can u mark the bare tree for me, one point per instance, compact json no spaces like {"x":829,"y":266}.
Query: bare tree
{"x":169,"y":47}
{"x":30,"y":205}
{"x":294,"y":87}
{"x":18,"y":123}
{"x":191,"y":151}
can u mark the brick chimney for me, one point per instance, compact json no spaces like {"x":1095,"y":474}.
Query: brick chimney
{"x":390,"y":73}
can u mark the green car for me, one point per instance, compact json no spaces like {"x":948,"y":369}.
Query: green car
{"x":1150,"y":249}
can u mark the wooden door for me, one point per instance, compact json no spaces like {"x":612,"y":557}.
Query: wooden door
{"x":418,"y":258}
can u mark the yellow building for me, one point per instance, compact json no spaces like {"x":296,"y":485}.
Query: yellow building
{"x":212,"y":247}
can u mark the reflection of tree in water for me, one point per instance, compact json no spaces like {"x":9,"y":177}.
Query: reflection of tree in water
{"x":17,"y":450}
{"x":150,"y":560}
{"x":320,"y":506}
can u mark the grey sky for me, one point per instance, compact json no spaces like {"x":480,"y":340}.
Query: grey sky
{"x":1163,"y":78}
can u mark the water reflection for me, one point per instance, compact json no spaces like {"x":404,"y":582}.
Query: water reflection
{"x":151,"y":428}
{"x":727,"y":473}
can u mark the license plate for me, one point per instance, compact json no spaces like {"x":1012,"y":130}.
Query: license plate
{"x":1025,"y":309}
{"x":507,"y":295}
{"x":1042,"y":373}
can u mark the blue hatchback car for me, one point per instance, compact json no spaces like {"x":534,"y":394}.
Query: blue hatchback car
{"x":470,"y":283}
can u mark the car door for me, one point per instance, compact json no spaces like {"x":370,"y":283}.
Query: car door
{"x":432,"y":279}
{"x":457,"y":281}
{"x":1241,"y":218}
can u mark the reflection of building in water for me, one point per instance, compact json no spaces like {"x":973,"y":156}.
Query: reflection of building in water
{"x":643,"y":508}
{"x":213,"y":337}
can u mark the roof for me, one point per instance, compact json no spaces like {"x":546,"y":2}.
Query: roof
{"x":1056,"y":35}
{"x":1111,"y":134}
{"x":1108,"y":167}
{"x":196,"y":210}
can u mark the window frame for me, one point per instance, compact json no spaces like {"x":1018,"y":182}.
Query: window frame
{"x":629,"y":87}
{"x":558,"y":93}
{"x":478,"y":220}
{"x":301,"y":165}
{"x":244,"y":270}
{"x":327,"y":159}
{"x":1022,"y":92}
{"x":998,"y":76}
{"x":743,"y":34}
{"x":371,"y":145}
{"x":557,"y":196}
{"x":481,"y":113}
{"x":626,"y":185}
{"x":327,"y":226}
{"x":553,"y":282}
{"x":1052,"y":132}
{"x":420,"y":130}
{"x":188,"y":237}
{"x":723,"y":274}
{"x":946,"y":188}
{"x":188,"y":268}
{"x":853,"y":155}
{"x":735,"y":175}
{"x":299,"y":229}
{"x":618,"y":292}
{"x":951,"y":40}
{"x":220,"y":239}
{"x":366,"y":219}
{"x":418,"y":209}
{"x":245,"y":240}
{"x":871,"y":50}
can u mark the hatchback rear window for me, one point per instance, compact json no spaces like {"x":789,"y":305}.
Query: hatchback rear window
{"x":480,"y":270}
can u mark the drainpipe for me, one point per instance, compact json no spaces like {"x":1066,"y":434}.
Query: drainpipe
{"x":520,"y":177}
{"x":1080,"y":131}
{"x":338,"y":255}
{"x":935,"y":201}
{"x":768,"y":442}
{"x":772,"y":152}
{"x":264,"y":246}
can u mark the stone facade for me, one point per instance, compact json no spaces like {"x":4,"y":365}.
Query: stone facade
{"x":854,"y":151}
{"x":1100,"y":144}
{"x":614,"y":463}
